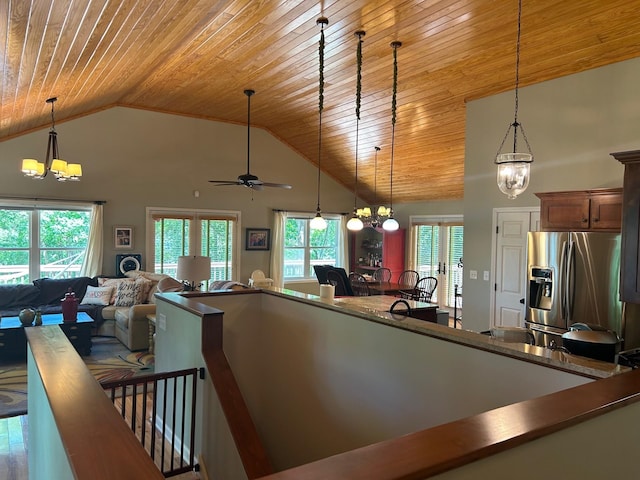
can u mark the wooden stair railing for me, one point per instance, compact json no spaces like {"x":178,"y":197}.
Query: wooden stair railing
{"x":245,"y":435}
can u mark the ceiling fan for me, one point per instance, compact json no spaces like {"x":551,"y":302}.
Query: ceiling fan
{"x":247,"y":179}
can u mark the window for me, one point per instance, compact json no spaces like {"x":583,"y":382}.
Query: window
{"x":42,"y":241}
{"x":209,"y":233}
{"x":304,"y":247}
{"x":437,"y":252}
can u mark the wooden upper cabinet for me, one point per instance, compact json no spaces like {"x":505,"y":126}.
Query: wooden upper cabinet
{"x":630,"y":244}
{"x":583,"y":210}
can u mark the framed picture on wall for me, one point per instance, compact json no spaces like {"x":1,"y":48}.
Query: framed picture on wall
{"x":123,"y":237}
{"x":258,"y":239}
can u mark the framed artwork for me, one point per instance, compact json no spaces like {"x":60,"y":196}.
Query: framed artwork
{"x":258,"y":239}
{"x":123,"y":237}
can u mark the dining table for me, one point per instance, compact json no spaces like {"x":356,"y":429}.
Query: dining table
{"x":387,"y":288}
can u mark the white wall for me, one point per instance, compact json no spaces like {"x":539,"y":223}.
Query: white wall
{"x":573,"y":124}
{"x":135,"y":159}
{"x":319,"y":382}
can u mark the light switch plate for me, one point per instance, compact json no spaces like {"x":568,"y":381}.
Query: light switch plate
{"x":162,"y":321}
{"x":485,"y":276}
{"x":473,"y":274}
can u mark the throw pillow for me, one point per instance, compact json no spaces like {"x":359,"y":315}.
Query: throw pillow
{"x":144,"y":285}
{"x":126,"y":294}
{"x":97,"y":296}
{"x":113,"y":282}
{"x":170,"y":285}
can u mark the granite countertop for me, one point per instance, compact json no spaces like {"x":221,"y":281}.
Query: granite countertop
{"x":375,"y":308}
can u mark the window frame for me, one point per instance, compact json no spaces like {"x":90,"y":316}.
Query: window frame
{"x":307,"y":248}
{"x":444,"y":292}
{"x":35,"y":207}
{"x":195,"y":235}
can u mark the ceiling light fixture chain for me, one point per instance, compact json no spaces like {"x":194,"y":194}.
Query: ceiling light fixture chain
{"x":391,"y":224}
{"x":319,"y":223}
{"x":514,"y":168}
{"x":355,"y":223}
{"x":62,"y":170}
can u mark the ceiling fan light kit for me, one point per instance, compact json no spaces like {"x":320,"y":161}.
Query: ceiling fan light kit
{"x":62,"y":170}
{"x":514,"y":169}
{"x":248,"y":179}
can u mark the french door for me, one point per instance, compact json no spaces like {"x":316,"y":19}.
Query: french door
{"x":436,"y":251}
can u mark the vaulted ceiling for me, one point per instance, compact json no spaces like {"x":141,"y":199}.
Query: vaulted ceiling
{"x":195,"y":57}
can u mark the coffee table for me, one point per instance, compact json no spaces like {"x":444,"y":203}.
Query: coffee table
{"x":13,"y":341}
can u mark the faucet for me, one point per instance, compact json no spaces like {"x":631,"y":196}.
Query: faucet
{"x":407,"y":312}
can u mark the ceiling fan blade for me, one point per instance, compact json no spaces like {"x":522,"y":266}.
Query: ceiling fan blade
{"x":225,"y":182}
{"x":277,"y":185}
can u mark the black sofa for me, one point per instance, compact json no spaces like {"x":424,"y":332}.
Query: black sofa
{"x":46,"y":294}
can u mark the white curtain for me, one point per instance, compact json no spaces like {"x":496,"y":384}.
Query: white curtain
{"x":92,"y":264}
{"x":277,"y":249}
{"x":343,"y":243}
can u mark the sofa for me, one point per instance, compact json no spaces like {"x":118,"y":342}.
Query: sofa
{"x":132,"y":324}
{"x":119,"y":306}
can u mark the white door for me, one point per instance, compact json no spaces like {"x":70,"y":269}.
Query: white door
{"x":510,"y":267}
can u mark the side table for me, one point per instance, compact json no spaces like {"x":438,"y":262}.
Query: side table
{"x":152,"y":331}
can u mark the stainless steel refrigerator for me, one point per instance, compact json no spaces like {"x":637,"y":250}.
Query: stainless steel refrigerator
{"x":573,"y":277}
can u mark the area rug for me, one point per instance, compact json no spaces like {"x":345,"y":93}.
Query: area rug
{"x":109,"y":361}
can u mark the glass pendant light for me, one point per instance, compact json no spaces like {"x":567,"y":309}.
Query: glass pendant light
{"x":319,"y":223}
{"x":391,"y":224}
{"x":355,"y":224}
{"x":514,"y":169}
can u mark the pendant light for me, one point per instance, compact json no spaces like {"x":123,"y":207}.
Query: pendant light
{"x":391,"y":224}
{"x":374,"y":216}
{"x":355,"y":224}
{"x":319,"y":223}
{"x":514,"y":168}
{"x":62,"y":170}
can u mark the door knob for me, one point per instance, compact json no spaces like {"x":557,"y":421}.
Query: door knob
{"x":522,"y":301}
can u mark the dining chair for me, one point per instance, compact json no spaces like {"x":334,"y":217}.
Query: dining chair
{"x":423,"y":290}
{"x":408,"y":279}
{"x":359,"y":285}
{"x":340,"y":280}
{"x":382,"y":275}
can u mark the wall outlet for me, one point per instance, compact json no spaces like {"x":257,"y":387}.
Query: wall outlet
{"x":162,"y":321}
{"x":485,"y":276}
{"x":473,"y":274}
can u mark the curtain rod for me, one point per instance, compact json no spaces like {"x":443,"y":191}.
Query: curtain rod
{"x":309,"y":212}
{"x":46,"y":199}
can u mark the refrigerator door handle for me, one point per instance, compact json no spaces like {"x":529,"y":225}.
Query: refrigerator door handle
{"x":562,"y":277}
{"x":571,"y":281}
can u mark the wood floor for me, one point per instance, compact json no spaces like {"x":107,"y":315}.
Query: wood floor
{"x":14,"y":450}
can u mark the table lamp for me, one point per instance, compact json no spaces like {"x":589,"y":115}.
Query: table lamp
{"x":193,"y":269}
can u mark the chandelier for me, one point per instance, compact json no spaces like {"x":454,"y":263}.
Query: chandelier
{"x":514,"y":168}
{"x":62,"y":170}
{"x":374,"y":216}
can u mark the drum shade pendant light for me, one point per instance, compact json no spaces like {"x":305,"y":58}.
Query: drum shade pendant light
{"x":62,"y":170}
{"x":319,"y":223}
{"x":514,"y":168}
{"x":391,"y":224}
{"x":355,"y":223}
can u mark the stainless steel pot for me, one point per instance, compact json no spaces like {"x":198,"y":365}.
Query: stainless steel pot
{"x":596,"y":344}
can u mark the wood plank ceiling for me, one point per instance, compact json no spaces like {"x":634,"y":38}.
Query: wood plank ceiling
{"x":195,"y":57}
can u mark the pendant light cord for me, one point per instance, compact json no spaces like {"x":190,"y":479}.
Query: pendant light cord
{"x":322,"y":21}
{"x":515,"y":113}
{"x":359,"y":34}
{"x":395,"y":46}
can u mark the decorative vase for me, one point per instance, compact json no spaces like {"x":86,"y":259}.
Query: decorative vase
{"x":69,"y":307}
{"x":26,"y":316}
{"x":38,"y":318}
